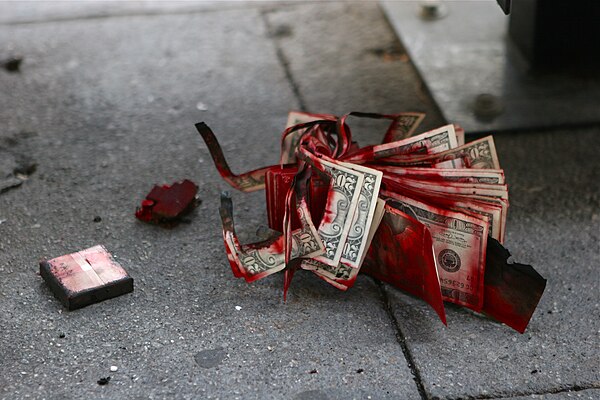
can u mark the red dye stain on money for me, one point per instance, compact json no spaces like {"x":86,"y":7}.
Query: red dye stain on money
{"x":167,"y":203}
{"x":422,"y":211}
{"x":401,"y":255}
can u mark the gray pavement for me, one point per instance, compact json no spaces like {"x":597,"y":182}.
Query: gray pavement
{"x":104,"y":106}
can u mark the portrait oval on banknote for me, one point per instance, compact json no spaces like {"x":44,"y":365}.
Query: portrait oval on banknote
{"x":449,"y":260}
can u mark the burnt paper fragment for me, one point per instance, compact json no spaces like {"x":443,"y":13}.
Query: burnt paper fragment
{"x":512,"y":291}
{"x":85,"y":277}
{"x":247,"y":182}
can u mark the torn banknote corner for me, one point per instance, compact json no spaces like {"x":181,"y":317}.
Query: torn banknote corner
{"x":166,"y":204}
{"x":85,"y":277}
{"x":423,"y":212}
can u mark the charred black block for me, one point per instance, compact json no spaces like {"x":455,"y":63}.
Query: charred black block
{"x":85,"y":277}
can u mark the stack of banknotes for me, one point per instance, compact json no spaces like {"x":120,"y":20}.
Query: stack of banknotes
{"x":424,"y":212}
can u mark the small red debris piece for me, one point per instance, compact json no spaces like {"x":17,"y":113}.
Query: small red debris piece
{"x":167,"y":203}
{"x":85,"y":277}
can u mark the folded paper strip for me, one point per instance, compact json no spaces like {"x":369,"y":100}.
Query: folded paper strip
{"x":425,"y":213}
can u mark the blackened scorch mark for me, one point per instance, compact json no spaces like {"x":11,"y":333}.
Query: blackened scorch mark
{"x":103,"y":381}
{"x":12,"y":64}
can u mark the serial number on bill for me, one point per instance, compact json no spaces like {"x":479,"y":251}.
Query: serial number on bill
{"x":454,"y":283}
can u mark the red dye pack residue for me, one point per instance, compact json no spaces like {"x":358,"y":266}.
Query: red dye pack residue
{"x":168,"y":202}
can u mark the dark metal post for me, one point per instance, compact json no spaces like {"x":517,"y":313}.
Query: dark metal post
{"x":557,"y":34}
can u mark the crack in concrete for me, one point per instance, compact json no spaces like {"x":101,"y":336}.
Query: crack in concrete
{"x":285,"y":63}
{"x":401,"y":338}
{"x":500,"y":396}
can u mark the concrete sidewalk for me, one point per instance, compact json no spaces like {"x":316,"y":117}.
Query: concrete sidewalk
{"x":104,"y":107}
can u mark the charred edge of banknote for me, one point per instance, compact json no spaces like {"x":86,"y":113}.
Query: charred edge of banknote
{"x":247,"y":182}
{"x":315,"y":162}
{"x":305,"y":125}
{"x":344,"y":138}
{"x":298,"y":134}
{"x":371,"y":115}
{"x":215,"y":149}
{"x":226,"y":211}
{"x":301,"y":184}
{"x":287,"y":221}
{"x":296,"y":194}
{"x":512,"y":290}
{"x":288,"y":275}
